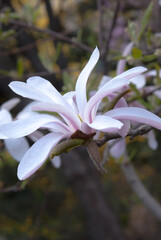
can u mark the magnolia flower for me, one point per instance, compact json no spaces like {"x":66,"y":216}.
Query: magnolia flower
{"x":78,"y":117}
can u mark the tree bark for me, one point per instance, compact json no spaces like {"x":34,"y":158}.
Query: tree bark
{"x":84,"y":179}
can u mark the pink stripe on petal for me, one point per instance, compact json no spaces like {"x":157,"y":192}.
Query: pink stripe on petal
{"x":80,"y":89}
{"x":136,"y":114}
{"x":45,"y":87}
{"x":25,"y":126}
{"x":68,"y":113}
{"x":105,"y":123}
{"x":100,"y":94}
{"x":28,"y":91}
{"x":37,"y":154}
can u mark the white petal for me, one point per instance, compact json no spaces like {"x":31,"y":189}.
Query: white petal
{"x":45,"y":87}
{"x":71,"y":99}
{"x":80,"y":89}
{"x":100,"y":94}
{"x":105,"y":123}
{"x":139,"y":81}
{"x":37,"y":155}
{"x":118,"y":148}
{"x":23,"y":127}
{"x":5,"y":117}
{"x":28,"y":91}
{"x":152,"y":142}
{"x":136,"y":114}
{"x":66,"y":112}
{"x":10,"y":104}
{"x":56,"y":161}
{"x":17,"y":147}
{"x":121,"y":63}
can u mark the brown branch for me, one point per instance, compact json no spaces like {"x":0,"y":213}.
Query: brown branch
{"x":100,"y":32}
{"x":108,"y":40}
{"x":51,"y":33}
{"x":144,"y":129}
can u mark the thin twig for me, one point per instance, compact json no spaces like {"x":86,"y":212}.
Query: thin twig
{"x":108,"y":40}
{"x":100,"y":32}
{"x":52,"y":33}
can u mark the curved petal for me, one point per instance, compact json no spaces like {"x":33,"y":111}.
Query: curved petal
{"x":113,"y":85}
{"x":5,"y":116}
{"x":100,"y":94}
{"x":17,"y":147}
{"x":121,"y":63}
{"x":118,"y":148}
{"x":28,"y":91}
{"x":45,"y":87}
{"x":139,"y":81}
{"x":80,"y":88}
{"x":105,"y":123}
{"x":70,"y":116}
{"x":37,"y":155}
{"x":126,"y":123}
{"x":24,"y":127}
{"x":10,"y":104}
{"x":136,"y":114}
{"x":152,"y":142}
{"x":71,"y":99}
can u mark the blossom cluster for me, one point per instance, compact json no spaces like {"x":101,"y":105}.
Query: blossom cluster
{"x":71,"y":115}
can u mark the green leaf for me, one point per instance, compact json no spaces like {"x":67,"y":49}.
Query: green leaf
{"x":145,"y":21}
{"x":136,"y":52}
{"x":20,"y":67}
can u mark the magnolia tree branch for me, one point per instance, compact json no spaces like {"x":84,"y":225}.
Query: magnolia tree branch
{"x":140,"y":189}
{"x":51,"y":33}
{"x":141,"y":130}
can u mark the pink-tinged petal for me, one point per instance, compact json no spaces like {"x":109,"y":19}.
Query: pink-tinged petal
{"x":28,"y":91}
{"x":126,"y":123}
{"x":5,"y":116}
{"x":69,"y":115}
{"x":37,"y":154}
{"x":104,"y":80}
{"x":45,"y":87}
{"x":139,"y":81}
{"x":118,"y":148}
{"x":99,"y":95}
{"x":136,"y":114}
{"x":152,"y":142}
{"x":81,"y":97}
{"x":17,"y":147}
{"x":56,"y":161}
{"x":121,"y":63}
{"x":26,"y":126}
{"x":35,"y":136}
{"x":58,"y":127}
{"x":70,"y":97}
{"x":153,"y":73}
{"x":10,"y":104}
{"x":105,"y":124}
{"x":113,"y":85}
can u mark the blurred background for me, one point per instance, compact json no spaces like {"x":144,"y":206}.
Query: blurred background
{"x":54,"y":39}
